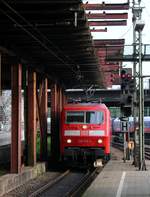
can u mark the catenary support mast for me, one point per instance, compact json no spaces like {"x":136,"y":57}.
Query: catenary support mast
{"x":138,"y":26}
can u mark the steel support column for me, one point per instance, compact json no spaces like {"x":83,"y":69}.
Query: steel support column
{"x":138,"y":26}
{"x":16,"y":81}
{"x":60,"y":97}
{"x":64,"y":98}
{"x":43,"y":120}
{"x":0,"y":75}
{"x":60,"y":106}
{"x":55,"y":129}
{"x":31,"y":118}
{"x":134,"y":104}
{"x":24,"y":86}
{"x":142,"y":164}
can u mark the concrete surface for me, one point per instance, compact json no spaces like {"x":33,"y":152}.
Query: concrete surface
{"x":120,"y":179}
{"x":11,"y":181}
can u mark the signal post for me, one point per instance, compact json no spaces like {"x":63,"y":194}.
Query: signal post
{"x":127,"y":88}
{"x":125,"y":130}
{"x":127,"y":98}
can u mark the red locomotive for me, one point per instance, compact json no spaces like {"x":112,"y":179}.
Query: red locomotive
{"x":85,"y":132}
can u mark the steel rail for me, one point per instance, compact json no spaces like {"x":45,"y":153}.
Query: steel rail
{"x":79,"y":188}
{"x":50,"y":184}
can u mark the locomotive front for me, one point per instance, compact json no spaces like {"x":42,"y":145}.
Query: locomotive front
{"x":85,"y":133}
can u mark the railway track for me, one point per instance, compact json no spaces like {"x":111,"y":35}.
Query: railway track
{"x":118,"y":145}
{"x":147,"y":152}
{"x":70,"y":183}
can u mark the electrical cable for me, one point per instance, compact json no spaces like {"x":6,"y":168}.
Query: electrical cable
{"x":126,"y":32}
{"x":34,"y":27}
{"x":34,"y":37}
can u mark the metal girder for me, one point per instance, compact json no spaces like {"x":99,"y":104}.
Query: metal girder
{"x":44,"y":2}
{"x":42,"y":100}
{"x":58,"y":13}
{"x":0,"y":74}
{"x":103,"y":47}
{"x":16,"y":71}
{"x":107,"y":6}
{"x":108,"y":23}
{"x":31,"y":121}
{"x":87,"y":65}
{"x":55,"y":133}
{"x":41,"y":38}
{"x":98,"y":30}
{"x":47,"y":30}
{"x":110,"y":48}
{"x":81,"y":40}
{"x":107,"y":15}
{"x":101,"y":42}
{"x":111,"y":53}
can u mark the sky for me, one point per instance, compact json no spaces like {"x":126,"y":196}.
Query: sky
{"x":126,"y":32}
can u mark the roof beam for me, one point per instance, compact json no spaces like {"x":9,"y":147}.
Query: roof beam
{"x":98,"y":30}
{"x":108,"y":23}
{"x":107,"y":6}
{"x":44,"y":2}
{"x":108,"y":41}
{"x":107,"y":15}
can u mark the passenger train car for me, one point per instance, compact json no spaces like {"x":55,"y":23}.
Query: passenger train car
{"x":85,"y":132}
{"x":116,"y":125}
{"x":117,"y":132}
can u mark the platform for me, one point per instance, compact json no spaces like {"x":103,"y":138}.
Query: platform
{"x":9,"y":182}
{"x":120,"y":179}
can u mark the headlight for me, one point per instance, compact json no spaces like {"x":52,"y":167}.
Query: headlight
{"x":84,"y":127}
{"x":68,"y":141}
{"x":100,"y":141}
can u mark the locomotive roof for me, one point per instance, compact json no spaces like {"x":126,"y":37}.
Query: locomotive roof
{"x":86,"y":105}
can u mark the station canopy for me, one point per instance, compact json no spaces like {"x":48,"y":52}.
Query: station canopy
{"x":53,"y":37}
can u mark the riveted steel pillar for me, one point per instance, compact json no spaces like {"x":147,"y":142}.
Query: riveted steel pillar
{"x":142,"y":164}
{"x":31,"y":118}
{"x":16,"y":81}
{"x":57,"y":102}
{"x":138,"y":26}
{"x":60,"y":106}
{"x":0,"y":74}
{"x":60,"y":102}
{"x":134,"y":104}
{"x":55,"y":151}
{"x":64,"y":98}
{"x":24,"y":85}
{"x":43,"y":120}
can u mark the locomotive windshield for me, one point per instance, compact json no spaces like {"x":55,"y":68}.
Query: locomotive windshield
{"x":85,"y":117}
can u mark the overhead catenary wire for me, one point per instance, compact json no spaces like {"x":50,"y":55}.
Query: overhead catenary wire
{"x":124,"y":34}
{"x":34,"y":27}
